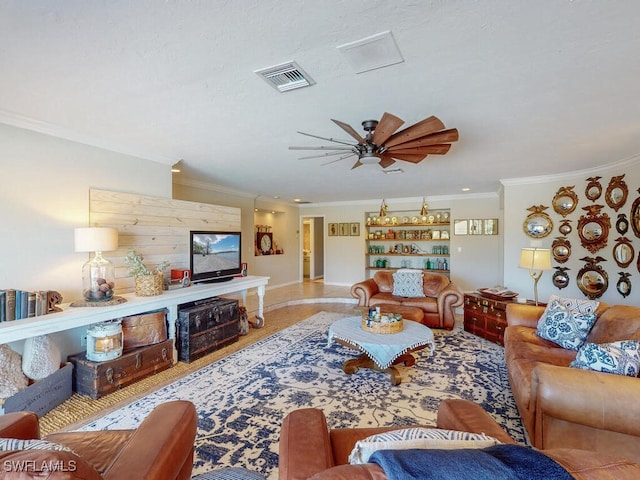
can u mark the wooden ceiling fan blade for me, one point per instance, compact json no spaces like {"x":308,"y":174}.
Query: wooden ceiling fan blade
{"x":445,"y":136}
{"x":325,"y":147}
{"x":428,"y":150}
{"x":387,"y":126}
{"x":413,"y":158}
{"x":329,"y":139}
{"x":357,"y":164}
{"x":425,"y":127}
{"x":349,"y":129}
{"x":386,"y":161}
{"x":328,"y":154}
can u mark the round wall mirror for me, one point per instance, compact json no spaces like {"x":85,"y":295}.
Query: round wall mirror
{"x":537,"y":224}
{"x":560,"y":277}
{"x":622,"y":224}
{"x":592,"y":281}
{"x":561,"y":249}
{"x":623,"y":252}
{"x":593,"y":228}
{"x":594,"y":189}
{"x":565,"y":227}
{"x":565,"y":201}
{"x":624,"y":284}
{"x":616,"y":194}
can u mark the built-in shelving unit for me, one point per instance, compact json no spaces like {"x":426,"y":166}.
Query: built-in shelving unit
{"x":403,"y":239}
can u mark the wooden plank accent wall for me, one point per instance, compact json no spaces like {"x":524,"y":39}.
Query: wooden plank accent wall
{"x":156,"y":228}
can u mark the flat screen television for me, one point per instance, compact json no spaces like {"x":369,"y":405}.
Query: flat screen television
{"x":215,"y":256}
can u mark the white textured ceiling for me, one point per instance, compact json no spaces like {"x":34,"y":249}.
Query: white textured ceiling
{"x":534,"y":87}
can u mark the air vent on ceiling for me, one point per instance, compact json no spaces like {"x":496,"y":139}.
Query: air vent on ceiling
{"x":285,"y":77}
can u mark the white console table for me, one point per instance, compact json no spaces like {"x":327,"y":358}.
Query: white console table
{"x":74,"y":317}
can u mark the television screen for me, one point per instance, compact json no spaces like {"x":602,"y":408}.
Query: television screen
{"x":215,"y":256}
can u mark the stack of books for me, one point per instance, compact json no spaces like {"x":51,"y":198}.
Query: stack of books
{"x":19,"y":304}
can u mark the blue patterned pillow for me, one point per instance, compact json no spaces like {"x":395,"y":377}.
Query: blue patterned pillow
{"x":621,"y":358}
{"x":408,"y":283}
{"x":567,"y":321}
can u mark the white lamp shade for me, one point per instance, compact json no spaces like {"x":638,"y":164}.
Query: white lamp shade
{"x":535,"y":259}
{"x":95,"y":239}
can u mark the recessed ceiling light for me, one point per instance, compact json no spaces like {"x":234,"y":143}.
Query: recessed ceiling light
{"x":465,"y":189}
{"x":393,"y":172}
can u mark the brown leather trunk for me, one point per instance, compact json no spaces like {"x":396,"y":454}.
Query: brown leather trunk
{"x":145,"y":329}
{"x":97,"y":379}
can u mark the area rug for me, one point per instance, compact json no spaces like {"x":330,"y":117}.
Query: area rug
{"x":243,"y":398}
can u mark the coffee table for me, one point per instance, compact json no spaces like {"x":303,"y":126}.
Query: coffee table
{"x":380,"y":352}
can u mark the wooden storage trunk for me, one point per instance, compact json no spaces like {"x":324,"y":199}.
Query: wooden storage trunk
{"x":97,"y":379}
{"x":42,"y":396}
{"x":145,"y":329}
{"x":203,"y":327}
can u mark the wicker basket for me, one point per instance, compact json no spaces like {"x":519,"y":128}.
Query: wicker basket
{"x":379,"y":327}
{"x":149,"y":285}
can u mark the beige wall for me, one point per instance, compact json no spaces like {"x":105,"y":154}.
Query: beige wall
{"x":45,"y":194}
{"x":520,"y":194}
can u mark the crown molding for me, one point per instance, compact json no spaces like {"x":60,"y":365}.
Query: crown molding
{"x":432,"y":198}
{"x":587,"y":172}
{"x":21,"y":121}
{"x":187,"y":182}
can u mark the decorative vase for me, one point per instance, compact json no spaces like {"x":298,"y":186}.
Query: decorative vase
{"x":149,"y":285}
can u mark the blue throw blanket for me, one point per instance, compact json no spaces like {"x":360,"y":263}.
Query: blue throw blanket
{"x":500,"y":462}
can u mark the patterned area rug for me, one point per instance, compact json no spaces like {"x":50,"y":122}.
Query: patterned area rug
{"x":242,"y":399}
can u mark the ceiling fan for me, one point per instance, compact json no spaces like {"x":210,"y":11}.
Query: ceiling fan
{"x":384,"y":144}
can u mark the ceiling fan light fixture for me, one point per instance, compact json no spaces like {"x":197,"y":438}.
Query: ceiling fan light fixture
{"x":369,"y":158}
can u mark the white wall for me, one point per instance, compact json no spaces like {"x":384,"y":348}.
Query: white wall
{"x":475,"y":260}
{"x":44,"y":195}
{"x":522,"y":194}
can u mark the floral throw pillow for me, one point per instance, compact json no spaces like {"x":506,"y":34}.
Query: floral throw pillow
{"x":621,"y":358}
{"x":567,"y":321}
{"x":408,"y":283}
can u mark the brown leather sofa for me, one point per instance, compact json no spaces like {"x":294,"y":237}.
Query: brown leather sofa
{"x":160,"y":448}
{"x":569,"y":407}
{"x":310,"y":450}
{"x":438,"y":305}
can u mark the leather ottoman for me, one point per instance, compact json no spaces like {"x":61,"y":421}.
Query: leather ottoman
{"x":408,"y":313}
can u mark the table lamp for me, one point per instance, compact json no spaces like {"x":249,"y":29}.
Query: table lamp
{"x":536,"y":260}
{"x":98,"y":274}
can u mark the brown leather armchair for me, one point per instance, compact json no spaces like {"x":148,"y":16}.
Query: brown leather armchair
{"x":160,"y":448}
{"x":310,"y":450}
{"x":438,"y":305}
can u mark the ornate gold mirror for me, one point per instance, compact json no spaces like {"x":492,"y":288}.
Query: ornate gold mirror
{"x":593,"y":228}
{"x":560,"y":277}
{"x":622,"y":224}
{"x":635,"y":217}
{"x":593,"y":281}
{"x":617,"y":191}
{"x":624,"y":284}
{"x":565,"y":227}
{"x":565,"y":200}
{"x":623,"y":252}
{"x":538,"y":224}
{"x":594,"y":189}
{"x":561,"y":249}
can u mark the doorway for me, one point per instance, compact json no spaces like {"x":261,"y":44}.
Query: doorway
{"x":312,"y":248}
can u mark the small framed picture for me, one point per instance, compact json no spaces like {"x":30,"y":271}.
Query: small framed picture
{"x":333,"y":229}
{"x":354,"y":229}
{"x":435,"y":235}
{"x":460,"y":227}
{"x":344,"y":229}
{"x":491,"y":226}
{"x":475,"y":227}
